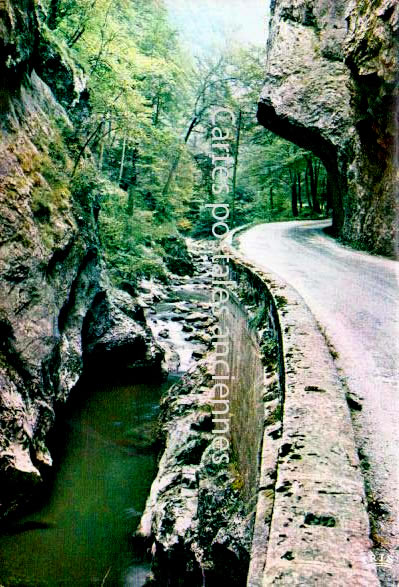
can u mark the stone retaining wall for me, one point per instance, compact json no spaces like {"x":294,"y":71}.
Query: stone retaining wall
{"x":255,"y":391}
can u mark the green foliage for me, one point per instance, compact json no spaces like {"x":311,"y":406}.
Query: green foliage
{"x":141,"y":142}
{"x":129,"y":241}
{"x":204,"y":223}
{"x":137,"y":84}
{"x":275,"y":416}
{"x":48,"y":164}
{"x":238,"y":483}
{"x":125,"y":142}
{"x":271,"y":171}
{"x":83,"y":187}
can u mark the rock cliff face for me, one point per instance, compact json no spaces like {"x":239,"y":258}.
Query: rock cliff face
{"x":195,"y":522}
{"x":330,"y":88}
{"x":52,"y":283}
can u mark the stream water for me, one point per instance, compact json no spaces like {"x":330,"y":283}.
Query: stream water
{"x":100,"y":487}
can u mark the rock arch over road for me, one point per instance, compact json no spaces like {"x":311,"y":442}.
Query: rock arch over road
{"x":330,"y":87}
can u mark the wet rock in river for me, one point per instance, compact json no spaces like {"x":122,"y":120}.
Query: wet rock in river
{"x":198,"y":353}
{"x":197,"y":317}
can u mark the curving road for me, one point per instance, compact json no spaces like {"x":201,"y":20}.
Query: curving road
{"x":354,"y":296}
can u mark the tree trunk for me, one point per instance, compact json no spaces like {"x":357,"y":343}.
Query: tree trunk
{"x":316,"y":186}
{"x":299,"y":190}
{"x":101,"y":141}
{"x":329,"y":196}
{"x":157,"y":108}
{"x":171,"y":174}
{"x":76,"y":35}
{"x":313,"y":186}
{"x":133,"y":175}
{"x":53,"y":14}
{"x":294,"y":195}
{"x":307,"y":190}
{"x":122,"y":159}
{"x":90,"y":138}
{"x":130,"y":201}
{"x":131,"y":185}
{"x":100,"y":163}
{"x":176,"y":160}
{"x":109,"y":116}
{"x":237,"y":147}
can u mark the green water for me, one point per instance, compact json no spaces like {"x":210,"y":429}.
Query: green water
{"x":103,"y":477}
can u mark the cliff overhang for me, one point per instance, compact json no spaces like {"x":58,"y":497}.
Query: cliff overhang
{"x":330,"y":88}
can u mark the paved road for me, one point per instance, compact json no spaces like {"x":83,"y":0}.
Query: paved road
{"x":354,"y":296}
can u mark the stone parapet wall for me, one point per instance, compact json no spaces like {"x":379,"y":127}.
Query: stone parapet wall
{"x":255,"y":390}
{"x":290,"y":507}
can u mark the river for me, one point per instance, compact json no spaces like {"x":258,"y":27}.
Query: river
{"x":104,"y":473}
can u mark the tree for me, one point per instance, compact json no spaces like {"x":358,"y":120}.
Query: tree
{"x":138,"y":90}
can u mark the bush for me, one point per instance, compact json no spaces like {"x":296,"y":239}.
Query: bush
{"x":203,"y":226}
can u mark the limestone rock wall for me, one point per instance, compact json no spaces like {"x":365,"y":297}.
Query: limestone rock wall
{"x":371,"y":50}
{"x":51,"y":273}
{"x":330,"y":88}
{"x":195,"y":524}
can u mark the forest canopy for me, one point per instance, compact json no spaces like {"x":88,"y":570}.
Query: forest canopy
{"x":142,"y":133}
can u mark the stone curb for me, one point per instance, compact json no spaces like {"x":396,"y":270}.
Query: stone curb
{"x":319,"y":533}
